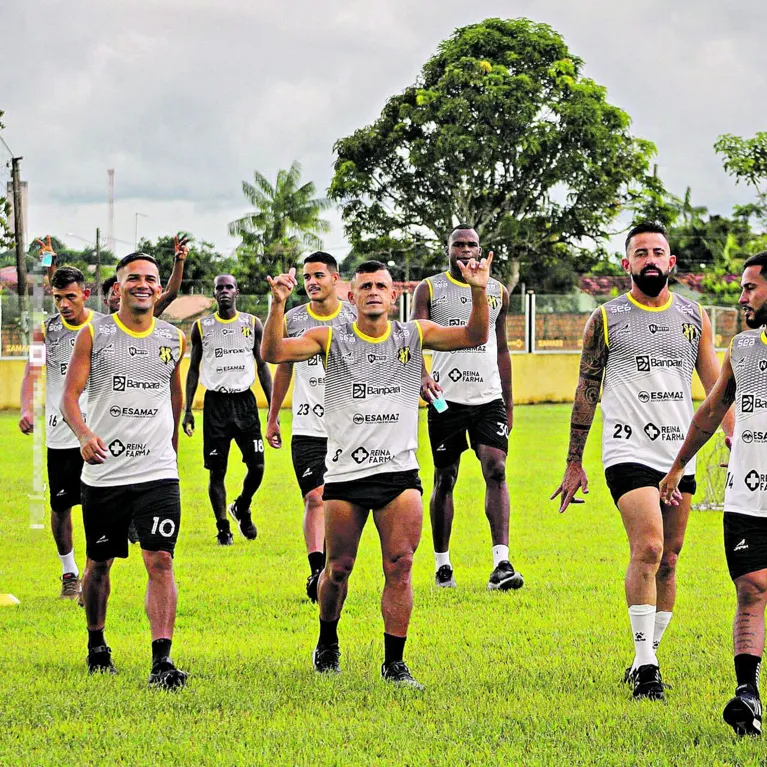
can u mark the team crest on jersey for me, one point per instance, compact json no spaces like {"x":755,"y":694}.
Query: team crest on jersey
{"x":403,"y":355}
{"x":690,"y":331}
{"x":166,"y":355}
{"x":494,"y":302}
{"x":247,"y":331}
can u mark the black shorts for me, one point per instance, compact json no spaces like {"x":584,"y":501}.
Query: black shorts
{"x":486,"y":424}
{"x":64,"y":468}
{"x":227,"y":417}
{"x":308,"y":455}
{"x":629,"y":476}
{"x":154,"y":507}
{"x":373,"y":492}
{"x":745,"y":543}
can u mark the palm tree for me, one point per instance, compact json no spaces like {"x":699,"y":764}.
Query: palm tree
{"x":284,"y":223}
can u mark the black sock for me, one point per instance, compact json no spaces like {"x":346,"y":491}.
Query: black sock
{"x":317,"y":561}
{"x":328,"y":633}
{"x":747,"y":669}
{"x":160,"y":649}
{"x":223,"y":526}
{"x":96,"y":638}
{"x":393,"y":648}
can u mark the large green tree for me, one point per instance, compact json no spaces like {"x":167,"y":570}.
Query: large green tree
{"x":284,"y":223}
{"x":502,"y":131}
{"x":746,"y":160}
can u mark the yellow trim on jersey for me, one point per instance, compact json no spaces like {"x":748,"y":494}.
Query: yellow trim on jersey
{"x":327,"y":349}
{"x":181,"y":340}
{"x":219,"y":318}
{"x":370,"y":339}
{"x":82,"y":325}
{"x":92,"y":331}
{"x":650,"y":308}
{"x":319,"y":317}
{"x":763,"y":336}
{"x":199,"y":328}
{"x":133,"y":333}
{"x":431,"y":289}
{"x":420,"y":331}
{"x":604,"y":325}
{"x":457,"y":282}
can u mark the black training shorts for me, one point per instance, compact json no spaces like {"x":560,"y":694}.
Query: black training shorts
{"x":745,"y":543}
{"x":308,"y":455}
{"x":154,"y":507}
{"x":486,"y":424}
{"x":227,"y":417}
{"x":623,"y":477}
{"x":64,"y":468}
{"x":373,"y":492}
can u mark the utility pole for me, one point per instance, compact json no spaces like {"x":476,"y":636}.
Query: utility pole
{"x":98,"y":268}
{"x":18,"y":230}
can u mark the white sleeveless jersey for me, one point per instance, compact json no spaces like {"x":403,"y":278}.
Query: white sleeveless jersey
{"x":309,"y":382}
{"x":59,"y":344}
{"x":228,"y":363}
{"x":371,"y":401}
{"x":647,"y":392}
{"x":746,"y":485}
{"x":129,"y":401}
{"x":467,"y":376}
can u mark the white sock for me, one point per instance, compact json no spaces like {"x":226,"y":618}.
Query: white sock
{"x":68,"y":564}
{"x":662,"y":619}
{"x":642,"y":619}
{"x":500,"y":554}
{"x":441,"y":558}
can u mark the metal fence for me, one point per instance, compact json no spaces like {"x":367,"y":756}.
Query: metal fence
{"x":536,"y":324}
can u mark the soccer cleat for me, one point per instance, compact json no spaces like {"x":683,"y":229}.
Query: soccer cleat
{"x":311,"y":585}
{"x":100,"y":660}
{"x":165,"y":676}
{"x":398,"y":673}
{"x":225,"y":538}
{"x":70,"y":586}
{"x":243,"y":520}
{"x":647,"y":683}
{"x":744,"y":712}
{"x":132,"y":533}
{"x":505,"y":577}
{"x":444,"y":577}
{"x":327,"y":660}
{"x":628,"y":676}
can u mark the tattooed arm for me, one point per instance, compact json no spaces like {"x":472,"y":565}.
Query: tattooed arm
{"x":593,"y":361}
{"x":704,"y":424}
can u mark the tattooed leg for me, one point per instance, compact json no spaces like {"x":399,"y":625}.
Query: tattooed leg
{"x":748,"y":628}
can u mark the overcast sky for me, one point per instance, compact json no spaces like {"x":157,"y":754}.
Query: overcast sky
{"x":184,"y":98}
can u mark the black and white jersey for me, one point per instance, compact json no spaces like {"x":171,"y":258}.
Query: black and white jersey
{"x":228,"y":362}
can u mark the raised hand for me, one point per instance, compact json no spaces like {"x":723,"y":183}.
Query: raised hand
{"x":180,"y":246}
{"x":47,"y":253}
{"x":477,"y":273}
{"x":282,"y":285}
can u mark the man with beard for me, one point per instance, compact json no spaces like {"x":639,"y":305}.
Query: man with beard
{"x":224,"y":347}
{"x":309,"y":442}
{"x":743,"y":381}
{"x":646,"y":344}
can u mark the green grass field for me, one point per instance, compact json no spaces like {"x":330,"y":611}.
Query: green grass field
{"x":522,"y":678}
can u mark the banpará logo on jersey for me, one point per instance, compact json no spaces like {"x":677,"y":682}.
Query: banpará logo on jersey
{"x":653,"y":328}
{"x":749,"y":436}
{"x":755,"y":481}
{"x":362,"y":390}
{"x":247,"y":331}
{"x":63,"y":368}
{"x":467,"y":376}
{"x":661,"y":396}
{"x":230,"y":368}
{"x":375,"y":418}
{"x":123,"y":383}
{"x":317,"y":381}
{"x":403,"y":355}
{"x":645,"y":362}
{"x":373,"y":357}
{"x":166,"y":354}
{"x":750,"y":402}
{"x":620,"y":309}
{"x":132,"y":412}
{"x":690,"y":332}
{"x":129,"y":449}
{"x":135,"y":351}
{"x":219,"y":352}
{"x":313,"y":360}
{"x":455,"y":322}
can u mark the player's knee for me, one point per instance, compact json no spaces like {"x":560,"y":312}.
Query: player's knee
{"x":445,"y":479}
{"x":97,"y":571}
{"x":751,"y":590}
{"x":648,"y":552}
{"x":398,"y":567}
{"x":159,"y":564}
{"x":494,"y":470}
{"x":668,"y":563}
{"x":217,"y":476}
{"x":255,"y":464}
{"x":338,"y":570}
{"x":313,"y":500}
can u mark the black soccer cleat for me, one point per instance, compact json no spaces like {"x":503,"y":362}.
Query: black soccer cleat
{"x":243,"y":520}
{"x":399,"y":674}
{"x":628,"y":676}
{"x":312,"y":582}
{"x":505,"y":578}
{"x":444,"y":577}
{"x":225,"y":538}
{"x":100,"y":660}
{"x":744,"y":712}
{"x":648,"y":683}
{"x":165,"y":676}
{"x":327,"y":660}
